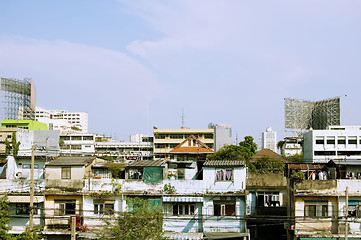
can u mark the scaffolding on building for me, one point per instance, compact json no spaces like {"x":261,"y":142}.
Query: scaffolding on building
{"x":17,"y":99}
{"x":301,"y":115}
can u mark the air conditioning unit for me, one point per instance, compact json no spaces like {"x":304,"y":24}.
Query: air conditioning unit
{"x":22,"y":175}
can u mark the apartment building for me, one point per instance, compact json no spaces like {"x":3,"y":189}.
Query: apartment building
{"x":62,"y":120}
{"x":167,"y":139}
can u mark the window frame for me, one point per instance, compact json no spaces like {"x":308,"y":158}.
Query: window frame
{"x":183,"y":209}
{"x":223,"y":208}
{"x":65,"y":172}
{"x":316,"y":209}
{"x":224,"y":177}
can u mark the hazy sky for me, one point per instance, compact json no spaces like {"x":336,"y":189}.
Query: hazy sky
{"x":132,"y":65}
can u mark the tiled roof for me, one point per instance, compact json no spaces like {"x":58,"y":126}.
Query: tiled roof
{"x":224,"y":163}
{"x":71,"y":161}
{"x":192,"y":150}
{"x":147,"y":163}
{"x":267,"y":152}
{"x":203,"y":148}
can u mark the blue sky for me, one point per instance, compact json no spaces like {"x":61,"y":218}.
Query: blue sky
{"x":135,"y":64}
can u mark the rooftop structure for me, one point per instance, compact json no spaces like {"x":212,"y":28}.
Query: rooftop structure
{"x":17,"y":95}
{"x":302,"y":114}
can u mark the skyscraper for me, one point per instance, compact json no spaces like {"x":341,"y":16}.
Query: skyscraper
{"x":269,"y":139}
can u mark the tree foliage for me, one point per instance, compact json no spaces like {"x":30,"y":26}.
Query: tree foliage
{"x":249,"y":144}
{"x":243,"y":151}
{"x":14,"y":145}
{"x":297,"y":158}
{"x":297,"y":177}
{"x":4,"y":219}
{"x":265,"y":165}
{"x":141,"y":221}
{"x":116,"y":170}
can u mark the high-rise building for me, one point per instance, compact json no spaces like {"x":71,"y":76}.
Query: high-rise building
{"x":63,"y":121}
{"x":222,"y":135}
{"x":269,"y":139}
{"x":18,"y":99}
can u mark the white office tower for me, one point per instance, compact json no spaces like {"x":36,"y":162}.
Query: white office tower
{"x":63,"y":121}
{"x":269,"y":139}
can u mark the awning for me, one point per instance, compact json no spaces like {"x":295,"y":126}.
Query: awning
{"x":184,"y":236}
{"x":224,"y":235}
{"x":182,"y":199}
{"x":25,"y":199}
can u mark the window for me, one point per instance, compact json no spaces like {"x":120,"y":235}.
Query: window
{"x":64,"y":207}
{"x":65,"y":147}
{"x":65,"y":138}
{"x":341,"y":140}
{"x":224,"y":208}
{"x":104,"y":207}
{"x":181,"y":173}
{"x":320,"y":140}
{"x":315,"y":209}
{"x":330,"y":140}
{"x":176,"y":136}
{"x":352,"y":140}
{"x":88,"y":138}
{"x":183,"y":209}
{"x":224,"y":175}
{"x":23,"y":208}
{"x":159,"y":145}
{"x":66,"y":172}
{"x":268,"y":199}
{"x":208,"y":136}
{"x":159,"y":136}
{"x":76,"y":138}
{"x":76,"y":147}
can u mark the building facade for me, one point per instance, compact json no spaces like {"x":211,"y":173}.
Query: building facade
{"x":63,"y":121}
{"x":337,"y":143}
{"x":269,"y":139}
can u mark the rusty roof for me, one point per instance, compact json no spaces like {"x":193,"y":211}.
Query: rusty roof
{"x":147,"y":163}
{"x":71,"y":161}
{"x":267,"y":152}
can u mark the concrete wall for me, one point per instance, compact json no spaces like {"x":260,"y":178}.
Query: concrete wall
{"x":238,"y":183}
{"x":54,"y":172}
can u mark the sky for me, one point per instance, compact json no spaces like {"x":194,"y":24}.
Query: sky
{"x":135,"y":64}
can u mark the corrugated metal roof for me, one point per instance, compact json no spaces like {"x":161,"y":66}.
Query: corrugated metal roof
{"x":224,"y":163}
{"x":71,"y":161}
{"x":147,"y":163}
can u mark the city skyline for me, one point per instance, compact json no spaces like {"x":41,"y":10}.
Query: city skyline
{"x":132,"y":65}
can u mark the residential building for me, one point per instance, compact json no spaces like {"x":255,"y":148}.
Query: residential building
{"x":268,"y":204}
{"x":269,"y":139}
{"x":167,"y":139}
{"x":63,"y":121}
{"x":140,"y":147}
{"x":81,"y":144}
{"x":338,"y":143}
{"x":291,"y":146}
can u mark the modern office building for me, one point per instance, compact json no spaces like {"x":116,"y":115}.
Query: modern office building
{"x":63,"y":121}
{"x":269,"y":139}
{"x":342,"y":144}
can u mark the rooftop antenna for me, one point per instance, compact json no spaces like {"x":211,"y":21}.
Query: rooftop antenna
{"x":182,"y":117}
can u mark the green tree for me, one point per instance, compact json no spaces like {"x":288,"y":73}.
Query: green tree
{"x":15,"y":145}
{"x":142,"y":221}
{"x":249,"y":144}
{"x":4,"y":219}
{"x":35,"y":234}
{"x":231,"y":152}
{"x":297,"y":158}
{"x":265,"y":165}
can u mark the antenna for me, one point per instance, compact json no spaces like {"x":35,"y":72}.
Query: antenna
{"x":182,"y":117}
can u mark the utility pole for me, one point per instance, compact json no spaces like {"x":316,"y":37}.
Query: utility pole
{"x":73,"y":228}
{"x":31,"y":220}
{"x":346,"y":221}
